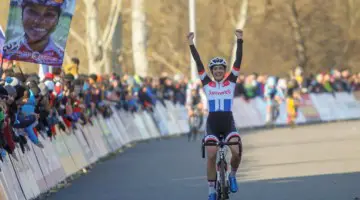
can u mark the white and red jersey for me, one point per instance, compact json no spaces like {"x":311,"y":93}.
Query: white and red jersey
{"x":18,"y":49}
{"x":220,"y":94}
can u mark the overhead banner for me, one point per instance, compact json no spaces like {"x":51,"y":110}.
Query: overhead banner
{"x":37,"y":30}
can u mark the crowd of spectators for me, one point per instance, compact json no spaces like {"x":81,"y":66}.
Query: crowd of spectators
{"x":32,"y":106}
{"x":335,"y":80}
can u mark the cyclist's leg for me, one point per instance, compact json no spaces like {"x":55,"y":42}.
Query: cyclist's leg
{"x":268,"y":110}
{"x":236,"y":153}
{"x":211,"y":160}
{"x":201,"y":114}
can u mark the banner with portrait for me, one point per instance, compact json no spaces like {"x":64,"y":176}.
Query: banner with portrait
{"x":37,"y":31}
{"x":2,"y":41}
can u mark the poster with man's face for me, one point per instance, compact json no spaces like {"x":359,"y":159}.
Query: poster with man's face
{"x":37,"y":30}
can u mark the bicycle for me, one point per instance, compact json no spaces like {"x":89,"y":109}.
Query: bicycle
{"x":222,"y":172}
{"x":195,"y":123}
{"x":274,"y":112}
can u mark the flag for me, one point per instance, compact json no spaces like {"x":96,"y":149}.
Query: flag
{"x":43,"y":69}
{"x":2,"y":41}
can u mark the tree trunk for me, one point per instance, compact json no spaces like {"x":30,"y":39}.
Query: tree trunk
{"x":93,"y":40}
{"x":241,"y":21}
{"x":139,"y":38}
{"x":298,"y":37}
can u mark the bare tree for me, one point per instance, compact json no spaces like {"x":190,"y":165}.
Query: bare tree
{"x":94,"y":48}
{"x":241,"y":21}
{"x":98,"y":47}
{"x":139,"y":38}
{"x":298,"y":37}
{"x":353,"y":16}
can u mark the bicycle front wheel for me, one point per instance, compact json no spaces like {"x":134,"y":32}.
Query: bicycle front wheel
{"x":223,"y":188}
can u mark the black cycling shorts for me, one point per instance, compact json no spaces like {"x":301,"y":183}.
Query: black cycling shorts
{"x":220,"y":123}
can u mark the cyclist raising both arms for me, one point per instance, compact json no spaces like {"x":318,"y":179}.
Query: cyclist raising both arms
{"x":220,"y":93}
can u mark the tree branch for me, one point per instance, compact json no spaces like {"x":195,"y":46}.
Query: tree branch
{"x":112,"y":28}
{"x":177,"y":54}
{"x":155,"y":56}
{"x":241,"y":21}
{"x":110,"y":19}
{"x":77,"y":37}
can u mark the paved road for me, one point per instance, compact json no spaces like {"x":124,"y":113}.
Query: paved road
{"x":308,"y":163}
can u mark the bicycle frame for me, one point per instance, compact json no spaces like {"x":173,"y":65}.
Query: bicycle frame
{"x":221,"y":170}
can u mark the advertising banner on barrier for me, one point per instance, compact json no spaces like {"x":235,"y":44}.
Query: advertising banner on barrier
{"x":29,"y":173}
{"x":246,"y":113}
{"x":160,"y":121}
{"x":75,"y":150}
{"x":348,"y":105}
{"x":39,"y":166}
{"x":92,"y":142}
{"x":141,"y":126}
{"x":150,"y":125}
{"x":356,"y":95}
{"x":54,"y":172}
{"x":107,"y":134}
{"x":3,"y":195}
{"x":182,"y":119}
{"x":10,"y":180}
{"x":171,"y":117}
{"x":134,"y":129}
{"x":85,"y":146}
{"x":308,"y":109}
{"x":324,"y":104}
{"x":128,"y":124}
{"x":118,"y":141}
{"x":121,"y":128}
{"x":97,"y":135}
{"x":63,"y":152}
{"x":260,"y":105}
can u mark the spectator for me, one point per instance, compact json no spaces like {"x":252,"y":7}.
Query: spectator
{"x":260,"y":87}
{"x":327,"y":84}
{"x":239,"y":88}
{"x":316,"y":86}
{"x":73,"y":67}
{"x":250,"y":87}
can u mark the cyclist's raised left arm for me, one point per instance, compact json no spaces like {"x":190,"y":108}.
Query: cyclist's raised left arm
{"x":239,"y":52}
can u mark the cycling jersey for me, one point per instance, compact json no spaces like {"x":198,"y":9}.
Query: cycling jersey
{"x":18,"y":49}
{"x":219,"y":97}
{"x":271,"y":92}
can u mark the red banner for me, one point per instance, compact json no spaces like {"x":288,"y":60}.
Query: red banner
{"x":308,"y":109}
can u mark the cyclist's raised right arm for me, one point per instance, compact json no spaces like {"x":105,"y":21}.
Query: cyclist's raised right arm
{"x":205,"y":79}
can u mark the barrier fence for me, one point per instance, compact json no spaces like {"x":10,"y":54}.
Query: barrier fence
{"x":38,"y":170}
